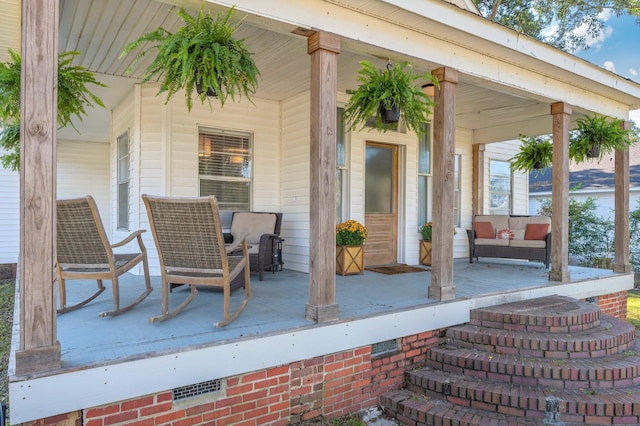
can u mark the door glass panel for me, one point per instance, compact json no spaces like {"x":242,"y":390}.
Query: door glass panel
{"x":379,"y":180}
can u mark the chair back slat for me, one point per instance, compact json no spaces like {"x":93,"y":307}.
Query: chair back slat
{"x":80,"y":235}
{"x":187,"y":232}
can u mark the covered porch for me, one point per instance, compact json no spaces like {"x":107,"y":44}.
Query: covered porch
{"x":126,"y":356}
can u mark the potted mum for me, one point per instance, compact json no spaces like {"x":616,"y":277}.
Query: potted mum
{"x":350,"y":237}
{"x":425,"y":243}
{"x":388,"y":95}
{"x":201,"y":55}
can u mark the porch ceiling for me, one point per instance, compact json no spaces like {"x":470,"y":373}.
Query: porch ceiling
{"x":100,"y":29}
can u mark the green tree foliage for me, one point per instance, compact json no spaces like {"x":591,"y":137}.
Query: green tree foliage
{"x":634,"y":237}
{"x":556,"y":22}
{"x":590,"y":236}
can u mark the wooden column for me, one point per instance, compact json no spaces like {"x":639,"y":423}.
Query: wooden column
{"x":477,"y":202}
{"x":39,"y":348}
{"x":324,"y":49}
{"x":621,"y":259}
{"x":444,"y":139}
{"x":561,"y":113}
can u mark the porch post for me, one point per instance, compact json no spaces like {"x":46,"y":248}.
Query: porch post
{"x":324,"y":49}
{"x":561,"y":113}
{"x":621,"y":259}
{"x":444,"y":138}
{"x":39,"y":348}
{"x":477,"y":202}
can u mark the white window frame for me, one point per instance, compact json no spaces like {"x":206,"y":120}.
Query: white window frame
{"x":493,"y":192}
{"x":124,"y":181}
{"x":246,"y":158}
{"x":342,"y":168}
{"x":426,"y":175}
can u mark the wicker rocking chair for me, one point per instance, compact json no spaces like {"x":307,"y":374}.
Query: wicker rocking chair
{"x":191,"y":249}
{"x":84,"y":252}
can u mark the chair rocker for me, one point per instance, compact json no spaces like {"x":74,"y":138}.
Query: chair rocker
{"x":191,"y":249}
{"x":84,"y":252}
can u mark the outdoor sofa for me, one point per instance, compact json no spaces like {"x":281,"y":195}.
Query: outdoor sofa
{"x":514,"y":237}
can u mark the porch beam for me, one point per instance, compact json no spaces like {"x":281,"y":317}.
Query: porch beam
{"x":444,"y":135}
{"x":621,"y":183}
{"x":39,"y":349}
{"x":323,"y":49}
{"x":561,"y":113}
{"x":477,"y":202}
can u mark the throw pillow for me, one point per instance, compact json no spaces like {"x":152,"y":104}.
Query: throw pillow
{"x":483,"y":229}
{"x":536,"y":231}
{"x":504,"y":234}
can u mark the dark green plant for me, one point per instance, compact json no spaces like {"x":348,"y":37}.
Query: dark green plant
{"x":393,"y":86}
{"x":634,"y":237}
{"x":73,"y":99}
{"x":600,"y":131}
{"x":590,"y":236}
{"x":202,"y":51}
{"x":535,"y":154}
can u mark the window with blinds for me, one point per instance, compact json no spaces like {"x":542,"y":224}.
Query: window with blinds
{"x":225,"y":167}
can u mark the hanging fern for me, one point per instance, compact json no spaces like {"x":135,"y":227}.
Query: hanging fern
{"x":202,"y":51}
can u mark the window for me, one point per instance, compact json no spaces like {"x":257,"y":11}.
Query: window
{"x":499,"y":187}
{"x":123,"y":180}
{"x":341,"y":169}
{"x":424,"y":175}
{"x":457,"y":190}
{"x":225,"y":167}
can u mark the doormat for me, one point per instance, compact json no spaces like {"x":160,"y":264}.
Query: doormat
{"x":396,"y":269}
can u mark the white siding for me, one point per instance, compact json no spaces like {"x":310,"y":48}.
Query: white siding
{"x":295,"y":181}
{"x":464,"y":148}
{"x":9,"y":216}
{"x":164,"y":151}
{"x":83,"y":169}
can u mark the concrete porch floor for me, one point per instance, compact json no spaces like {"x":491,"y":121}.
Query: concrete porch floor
{"x":278,"y":305}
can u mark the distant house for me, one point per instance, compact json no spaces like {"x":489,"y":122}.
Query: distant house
{"x":591,"y":178}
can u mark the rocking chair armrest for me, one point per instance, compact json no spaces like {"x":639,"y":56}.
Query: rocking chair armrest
{"x":136,"y":234}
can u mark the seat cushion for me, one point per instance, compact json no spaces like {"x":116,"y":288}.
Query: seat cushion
{"x":528,"y":243}
{"x":251,"y":226}
{"x":492,"y":242}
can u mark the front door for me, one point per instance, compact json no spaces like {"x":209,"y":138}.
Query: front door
{"x":381,"y":204}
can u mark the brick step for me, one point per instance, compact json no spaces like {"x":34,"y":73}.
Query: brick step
{"x":550,"y":314}
{"x":411,"y":409}
{"x":618,"y":370}
{"x":611,"y":337}
{"x":571,"y":405}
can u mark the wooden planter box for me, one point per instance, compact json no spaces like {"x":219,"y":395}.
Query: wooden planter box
{"x":425,"y":252}
{"x":349,"y":260}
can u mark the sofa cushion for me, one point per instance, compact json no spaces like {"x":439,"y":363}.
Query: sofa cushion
{"x":251,"y":226}
{"x":528,"y":243}
{"x":492,"y":242}
{"x":484,"y":230}
{"x":504,"y":233}
{"x":518,"y":234}
{"x":499,"y":221}
{"x":536,"y":231}
{"x":521,"y":222}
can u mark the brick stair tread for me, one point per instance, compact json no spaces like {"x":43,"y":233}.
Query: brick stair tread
{"x":410,"y":408}
{"x":612,"y":336}
{"x":548,"y":314}
{"x":460,"y":389}
{"x":618,"y":370}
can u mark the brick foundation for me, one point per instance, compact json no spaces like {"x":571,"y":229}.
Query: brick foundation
{"x":614,"y":304}
{"x":328,"y":386}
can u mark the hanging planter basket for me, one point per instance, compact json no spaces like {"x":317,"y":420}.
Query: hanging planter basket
{"x":200,"y":90}
{"x":389,"y":115}
{"x":594,"y":151}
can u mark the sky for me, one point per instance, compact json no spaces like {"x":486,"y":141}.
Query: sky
{"x":617,"y":49}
